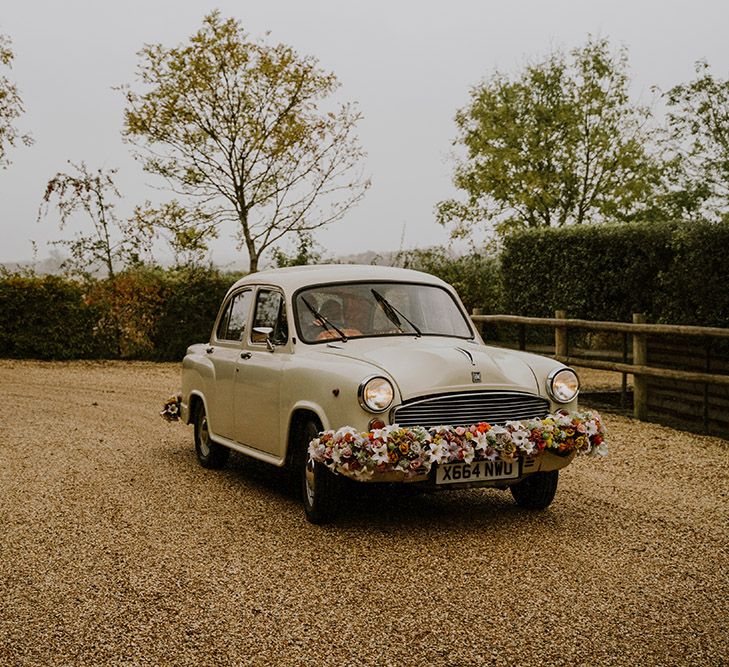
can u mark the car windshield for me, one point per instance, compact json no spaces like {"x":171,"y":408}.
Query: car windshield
{"x":356,"y":310}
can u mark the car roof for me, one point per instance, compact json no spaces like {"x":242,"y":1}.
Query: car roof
{"x":294,"y":277}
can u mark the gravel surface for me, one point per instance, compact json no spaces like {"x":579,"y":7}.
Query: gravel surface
{"x":119,"y":549}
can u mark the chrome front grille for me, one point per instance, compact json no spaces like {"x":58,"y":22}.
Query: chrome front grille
{"x":464,"y":409}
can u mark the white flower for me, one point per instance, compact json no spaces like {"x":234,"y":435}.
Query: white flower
{"x":491,"y":454}
{"x":379,"y":454}
{"x":514,"y":426}
{"x":438,"y":453}
{"x":602,"y":449}
{"x":520,"y":438}
{"x":591,"y":427}
{"x":482,"y":443}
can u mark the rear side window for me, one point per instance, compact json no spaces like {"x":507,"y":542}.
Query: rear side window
{"x":232,"y":325}
{"x":270,"y":315}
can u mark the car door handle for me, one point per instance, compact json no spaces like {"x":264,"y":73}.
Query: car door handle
{"x":245,"y":355}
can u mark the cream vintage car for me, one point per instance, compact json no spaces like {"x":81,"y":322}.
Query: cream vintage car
{"x":377,"y":374}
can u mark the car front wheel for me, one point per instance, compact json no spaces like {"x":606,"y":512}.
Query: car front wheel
{"x":210,"y":454}
{"x":320,"y":487}
{"x":536,"y":492}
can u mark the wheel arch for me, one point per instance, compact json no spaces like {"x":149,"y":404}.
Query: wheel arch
{"x":299,"y":415}
{"x":196,"y":400}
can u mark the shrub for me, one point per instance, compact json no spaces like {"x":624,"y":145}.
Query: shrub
{"x":694,"y":286}
{"x":190,"y":302}
{"x":49,"y":317}
{"x":476,"y":278}
{"x":146,"y":313}
{"x":602,"y":272}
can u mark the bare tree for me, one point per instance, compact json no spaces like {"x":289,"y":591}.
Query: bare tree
{"x":111,"y":241}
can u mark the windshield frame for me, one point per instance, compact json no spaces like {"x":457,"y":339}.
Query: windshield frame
{"x":449,"y":292}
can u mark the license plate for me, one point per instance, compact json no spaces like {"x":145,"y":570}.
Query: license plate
{"x":480,"y":471}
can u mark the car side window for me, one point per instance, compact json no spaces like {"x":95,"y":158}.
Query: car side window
{"x":232,"y":325}
{"x":270,"y":314}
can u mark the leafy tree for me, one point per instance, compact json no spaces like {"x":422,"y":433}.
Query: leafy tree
{"x":560,"y":143}
{"x":235,"y":127}
{"x":111,"y":241}
{"x":698,"y":126}
{"x":307,"y":251}
{"x":11,"y":106}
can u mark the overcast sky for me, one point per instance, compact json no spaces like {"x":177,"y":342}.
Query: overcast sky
{"x":408,"y":64}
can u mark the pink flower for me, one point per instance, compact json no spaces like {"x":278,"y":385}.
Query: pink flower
{"x":460,"y":430}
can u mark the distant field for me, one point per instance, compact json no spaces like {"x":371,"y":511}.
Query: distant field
{"x":119,"y":549}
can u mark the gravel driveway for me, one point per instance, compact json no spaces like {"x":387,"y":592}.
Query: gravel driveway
{"x":119,"y":549}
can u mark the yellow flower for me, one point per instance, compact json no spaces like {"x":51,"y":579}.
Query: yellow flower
{"x":404,"y":447}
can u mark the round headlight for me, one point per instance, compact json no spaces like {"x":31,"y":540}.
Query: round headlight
{"x":376,"y":394}
{"x":563,"y":385}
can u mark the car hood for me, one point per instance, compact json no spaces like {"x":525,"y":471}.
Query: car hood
{"x":430,"y":364}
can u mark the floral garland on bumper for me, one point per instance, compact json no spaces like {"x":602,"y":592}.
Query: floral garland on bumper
{"x":413,"y":450}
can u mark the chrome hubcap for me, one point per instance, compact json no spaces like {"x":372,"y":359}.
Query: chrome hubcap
{"x":310,"y":482}
{"x":204,"y":437}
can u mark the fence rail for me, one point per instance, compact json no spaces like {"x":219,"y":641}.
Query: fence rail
{"x":634,"y":361}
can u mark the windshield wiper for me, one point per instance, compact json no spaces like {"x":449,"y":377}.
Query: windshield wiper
{"x":392,"y":313}
{"x":327,"y":324}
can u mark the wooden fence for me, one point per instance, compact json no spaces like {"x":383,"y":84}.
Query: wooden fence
{"x":679,"y":372}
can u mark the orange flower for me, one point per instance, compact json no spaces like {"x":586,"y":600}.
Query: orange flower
{"x":404,"y":447}
{"x":393,"y":457}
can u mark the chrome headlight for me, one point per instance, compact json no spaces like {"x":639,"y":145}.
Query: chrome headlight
{"x":376,"y":394}
{"x":563,"y":385}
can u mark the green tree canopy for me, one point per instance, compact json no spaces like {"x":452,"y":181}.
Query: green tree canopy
{"x":11,"y":106}
{"x":698,"y":125}
{"x":238,"y":129}
{"x":560,"y":143}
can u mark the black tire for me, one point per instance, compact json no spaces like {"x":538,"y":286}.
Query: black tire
{"x":536,"y":492}
{"x":210,"y":454}
{"x":320,"y":487}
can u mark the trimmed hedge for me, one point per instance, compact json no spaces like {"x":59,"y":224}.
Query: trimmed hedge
{"x":674,"y":272}
{"x":49,"y":317}
{"x":144,"y":314}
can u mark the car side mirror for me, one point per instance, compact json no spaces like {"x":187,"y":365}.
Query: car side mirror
{"x":264,"y":333}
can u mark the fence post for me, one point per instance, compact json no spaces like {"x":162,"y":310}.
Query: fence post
{"x":479,"y":325}
{"x":561,"y":345}
{"x":640,"y":358}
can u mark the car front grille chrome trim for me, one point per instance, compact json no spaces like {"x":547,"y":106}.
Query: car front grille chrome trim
{"x":464,"y":409}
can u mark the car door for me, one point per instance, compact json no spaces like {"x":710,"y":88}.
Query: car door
{"x":258,"y":384}
{"x":224,"y":353}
